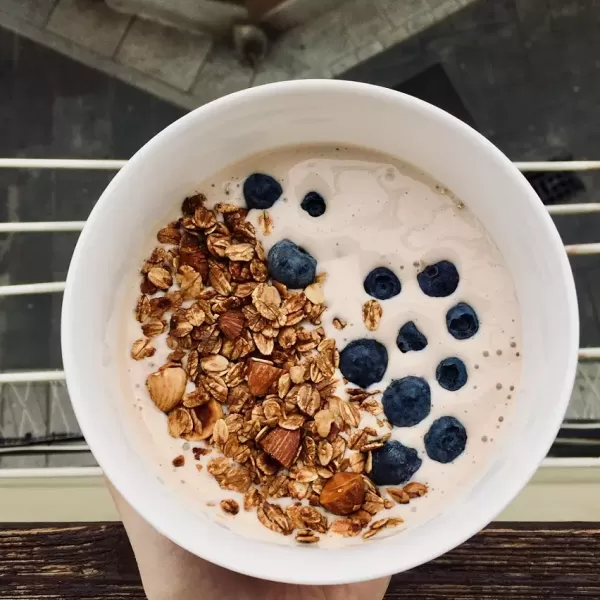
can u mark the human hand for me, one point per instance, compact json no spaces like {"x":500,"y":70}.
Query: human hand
{"x":171,"y":573}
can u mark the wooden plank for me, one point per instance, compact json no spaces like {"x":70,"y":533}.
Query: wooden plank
{"x":517,"y":561}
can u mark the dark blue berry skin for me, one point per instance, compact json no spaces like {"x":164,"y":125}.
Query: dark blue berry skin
{"x":313,"y":204}
{"x":407,"y":401}
{"x":364,"y":362}
{"x":462,"y":321}
{"x":439,"y":280}
{"x":394,"y":464}
{"x":451,"y":373}
{"x":261,"y":191}
{"x":410,"y":338}
{"x":446,"y":440}
{"x":291,"y":265}
{"x":381,"y":283}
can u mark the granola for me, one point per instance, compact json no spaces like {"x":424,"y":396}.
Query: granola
{"x":266,"y":395}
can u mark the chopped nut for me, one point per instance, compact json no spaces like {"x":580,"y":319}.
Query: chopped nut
{"x":179,"y":461}
{"x":231,"y":507}
{"x":314,"y":293}
{"x":231,"y":323}
{"x":343,"y":493}
{"x":339,"y":323}
{"x":297,"y":374}
{"x":261,"y":376}
{"x":323,"y":420}
{"x":372,"y":312}
{"x":282,"y":445}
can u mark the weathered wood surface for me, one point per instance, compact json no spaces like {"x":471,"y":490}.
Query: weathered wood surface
{"x":517,"y":561}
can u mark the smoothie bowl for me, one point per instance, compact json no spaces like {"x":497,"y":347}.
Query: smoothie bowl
{"x":319,"y":332}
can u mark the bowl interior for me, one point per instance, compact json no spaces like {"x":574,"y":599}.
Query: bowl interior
{"x":171,"y":166}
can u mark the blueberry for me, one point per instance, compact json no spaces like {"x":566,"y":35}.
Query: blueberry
{"x":410,"y":338}
{"x":462,"y":321}
{"x":291,"y":265}
{"x":261,"y":191}
{"x":382,"y":284}
{"x":394,"y":463}
{"x":438,"y":280}
{"x":445,"y":440}
{"x":313,"y":204}
{"x":364,"y":362}
{"x":407,"y":401}
{"x":451,"y":373}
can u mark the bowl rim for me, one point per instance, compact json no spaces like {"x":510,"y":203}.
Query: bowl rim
{"x":375,"y":563}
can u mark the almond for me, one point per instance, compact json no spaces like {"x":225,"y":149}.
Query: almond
{"x":343,"y":494}
{"x":261,"y":376}
{"x":282,"y":445}
{"x":166,"y":387}
{"x":231,"y":323}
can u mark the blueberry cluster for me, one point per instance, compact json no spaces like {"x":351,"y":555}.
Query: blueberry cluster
{"x":407,"y":401}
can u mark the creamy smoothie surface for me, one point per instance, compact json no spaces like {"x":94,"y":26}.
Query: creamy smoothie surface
{"x":389,"y":367}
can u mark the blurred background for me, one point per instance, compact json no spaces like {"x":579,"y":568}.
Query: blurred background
{"x":95,"y":79}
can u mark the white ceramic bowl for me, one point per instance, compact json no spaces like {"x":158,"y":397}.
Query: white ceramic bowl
{"x":175,"y":161}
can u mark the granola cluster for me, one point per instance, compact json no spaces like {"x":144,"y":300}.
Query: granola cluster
{"x":264,"y":374}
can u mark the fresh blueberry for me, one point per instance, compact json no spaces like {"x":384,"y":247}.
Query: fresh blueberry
{"x":291,"y":265}
{"x":313,"y":204}
{"x":382,"y":284}
{"x":445,"y":440}
{"x":438,"y":280}
{"x":261,"y":191}
{"x":407,"y":401}
{"x":410,"y":338}
{"x":394,"y":463}
{"x":462,"y":321}
{"x":451,"y":374}
{"x":364,"y":362}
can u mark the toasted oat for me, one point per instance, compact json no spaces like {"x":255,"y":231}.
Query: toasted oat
{"x":264,"y":374}
{"x":372,"y":312}
{"x":415,"y":490}
{"x":274,"y":518}
{"x":306,"y":536}
{"x":180,"y":422}
{"x":142,"y":348}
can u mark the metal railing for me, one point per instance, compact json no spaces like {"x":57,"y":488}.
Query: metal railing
{"x":592,"y":353}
